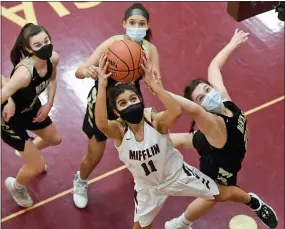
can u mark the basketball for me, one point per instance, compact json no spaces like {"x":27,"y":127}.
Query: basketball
{"x":125,"y":59}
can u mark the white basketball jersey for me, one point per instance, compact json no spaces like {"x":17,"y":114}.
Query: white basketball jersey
{"x":153,"y":161}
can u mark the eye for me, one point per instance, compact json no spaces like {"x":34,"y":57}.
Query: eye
{"x":208,"y":89}
{"x":142,"y":24}
{"x":122,"y":104}
{"x":134,"y":99}
{"x":131,"y":23}
{"x":201,"y":98}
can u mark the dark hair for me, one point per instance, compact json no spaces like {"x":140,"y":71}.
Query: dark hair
{"x":128,"y":13}
{"x":188,"y":91}
{"x":23,"y":40}
{"x":117,"y":90}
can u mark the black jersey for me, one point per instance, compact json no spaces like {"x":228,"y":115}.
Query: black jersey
{"x":231,"y":155}
{"x":26,"y":97}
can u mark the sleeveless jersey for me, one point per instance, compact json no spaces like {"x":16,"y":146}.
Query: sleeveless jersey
{"x":230,"y":157}
{"x":26,"y":97}
{"x":153,"y":161}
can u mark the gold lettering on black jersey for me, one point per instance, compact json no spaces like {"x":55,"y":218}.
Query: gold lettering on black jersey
{"x":243,"y":128}
{"x":42,"y":87}
{"x":223,"y":176}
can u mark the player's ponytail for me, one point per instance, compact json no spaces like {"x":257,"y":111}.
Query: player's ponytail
{"x":16,"y":53}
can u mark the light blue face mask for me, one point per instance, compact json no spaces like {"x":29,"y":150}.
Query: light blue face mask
{"x":212,"y":101}
{"x":136,"y":34}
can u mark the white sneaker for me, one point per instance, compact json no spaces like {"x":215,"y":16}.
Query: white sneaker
{"x":80,"y":197}
{"x":176,"y":224}
{"x":21,"y":197}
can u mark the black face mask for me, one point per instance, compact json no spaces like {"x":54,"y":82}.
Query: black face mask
{"x":44,"y":52}
{"x":133,"y":113}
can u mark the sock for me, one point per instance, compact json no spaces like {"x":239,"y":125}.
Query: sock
{"x":254,"y":203}
{"x":80,"y":179}
{"x":184,"y":220}
{"x":18,"y":186}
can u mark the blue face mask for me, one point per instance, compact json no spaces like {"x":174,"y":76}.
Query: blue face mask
{"x":212,"y":101}
{"x":136,"y":34}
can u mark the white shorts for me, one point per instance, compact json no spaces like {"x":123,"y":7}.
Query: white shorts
{"x":191,"y":182}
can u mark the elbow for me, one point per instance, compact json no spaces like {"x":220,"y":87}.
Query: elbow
{"x":79,"y":74}
{"x":102,"y":126}
{"x":214,"y":65}
{"x":178,"y":111}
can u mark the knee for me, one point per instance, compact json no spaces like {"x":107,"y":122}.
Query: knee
{"x":225,"y":194}
{"x":56,"y":139}
{"x":39,"y":166}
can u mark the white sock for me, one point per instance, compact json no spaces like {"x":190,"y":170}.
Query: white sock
{"x":184,"y":220}
{"x":80,"y":179}
{"x":18,"y":186}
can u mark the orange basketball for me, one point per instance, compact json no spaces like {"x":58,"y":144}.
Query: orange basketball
{"x":125,"y":59}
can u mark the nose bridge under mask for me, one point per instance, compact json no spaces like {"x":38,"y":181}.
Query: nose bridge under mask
{"x":212,"y":101}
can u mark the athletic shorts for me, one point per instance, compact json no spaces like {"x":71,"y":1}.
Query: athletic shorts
{"x":14,"y":132}
{"x":191,"y":182}
{"x":217,"y":173}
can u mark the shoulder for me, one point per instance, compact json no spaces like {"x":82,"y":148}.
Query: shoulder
{"x":22,"y":71}
{"x":54,"y":58}
{"x":108,"y":42}
{"x":22,"y":76}
{"x":117,"y":37}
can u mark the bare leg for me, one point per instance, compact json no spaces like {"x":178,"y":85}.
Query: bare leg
{"x":92,"y":158}
{"x":138,"y":226}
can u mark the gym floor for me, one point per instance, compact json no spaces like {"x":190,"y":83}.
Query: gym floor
{"x":188,"y":35}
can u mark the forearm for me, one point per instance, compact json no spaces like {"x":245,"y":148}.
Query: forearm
{"x":167,"y":100}
{"x":101,"y":117}
{"x":187,"y":106}
{"x":51,"y":92}
{"x":222,"y":57}
{"x":3,"y":81}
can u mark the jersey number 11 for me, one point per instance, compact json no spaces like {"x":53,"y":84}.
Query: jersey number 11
{"x":146,"y":169}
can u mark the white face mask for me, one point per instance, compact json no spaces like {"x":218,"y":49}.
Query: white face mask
{"x":212,"y":101}
{"x":136,"y":34}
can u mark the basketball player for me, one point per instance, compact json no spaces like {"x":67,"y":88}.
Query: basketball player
{"x":34,"y":70}
{"x":221,"y":140}
{"x":142,"y":140}
{"x":136,"y":23}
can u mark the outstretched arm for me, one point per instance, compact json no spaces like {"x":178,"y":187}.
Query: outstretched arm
{"x":214,"y":70}
{"x":163,"y":120}
{"x":212,"y":126}
{"x":109,"y":128}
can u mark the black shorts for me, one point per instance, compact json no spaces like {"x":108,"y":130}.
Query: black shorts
{"x":89,"y":126}
{"x":14,"y":132}
{"x":216,"y":172}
